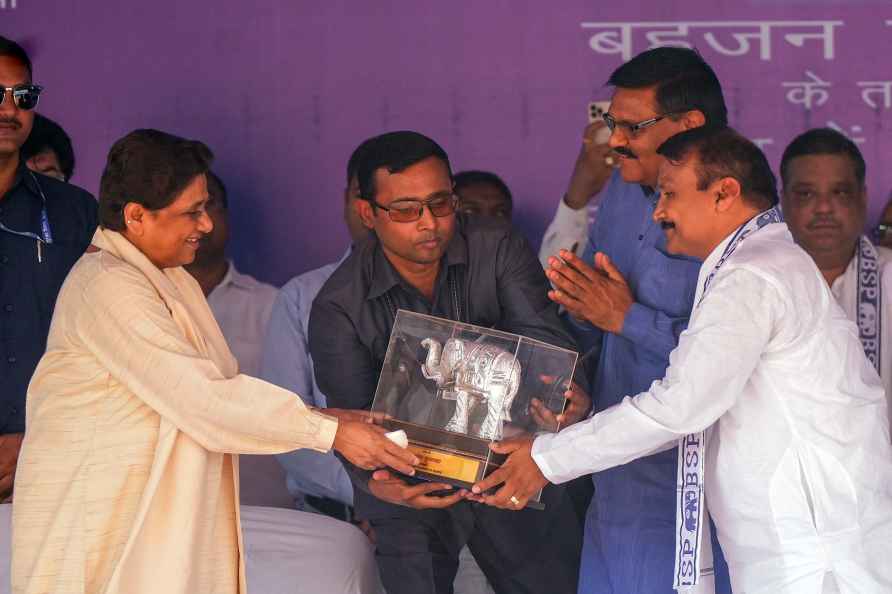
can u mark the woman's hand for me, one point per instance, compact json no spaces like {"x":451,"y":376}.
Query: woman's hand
{"x":363,"y":443}
{"x":346,"y":414}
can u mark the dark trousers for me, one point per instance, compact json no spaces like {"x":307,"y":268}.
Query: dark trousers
{"x":523,"y":552}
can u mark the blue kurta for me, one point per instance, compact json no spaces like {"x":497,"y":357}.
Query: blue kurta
{"x":630,"y":528}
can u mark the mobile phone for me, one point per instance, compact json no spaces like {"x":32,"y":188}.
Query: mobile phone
{"x":596,"y":111}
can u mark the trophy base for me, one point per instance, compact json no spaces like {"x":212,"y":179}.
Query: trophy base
{"x":460,"y":460}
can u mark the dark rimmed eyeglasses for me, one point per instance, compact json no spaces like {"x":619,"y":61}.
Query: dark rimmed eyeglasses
{"x":880,"y":232}
{"x":633,"y":129}
{"x":410,"y":210}
{"x":24,"y":96}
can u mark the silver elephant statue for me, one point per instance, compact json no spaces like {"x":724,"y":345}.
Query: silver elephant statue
{"x":472,"y":372}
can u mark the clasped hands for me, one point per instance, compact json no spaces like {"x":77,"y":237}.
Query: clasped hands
{"x":599,"y":295}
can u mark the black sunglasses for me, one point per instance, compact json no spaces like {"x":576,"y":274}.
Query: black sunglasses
{"x":25,"y":97}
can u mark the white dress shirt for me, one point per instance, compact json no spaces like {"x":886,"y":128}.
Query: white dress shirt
{"x":242,"y":306}
{"x":798,"y":467}
{"x":568,"y":228}
{"x":845,"y":289}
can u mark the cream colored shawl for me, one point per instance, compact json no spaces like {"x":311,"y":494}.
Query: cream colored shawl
{"x":127,"y":482}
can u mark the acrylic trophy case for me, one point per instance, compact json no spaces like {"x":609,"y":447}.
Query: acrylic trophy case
{"x":454,"y":388}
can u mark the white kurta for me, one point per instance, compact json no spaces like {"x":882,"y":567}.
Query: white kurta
{"x":798,"y":465}
{"x":845,"y":289}
{"x":127,"y":482}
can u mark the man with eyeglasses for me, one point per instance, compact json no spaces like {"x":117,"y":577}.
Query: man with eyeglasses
{"x":825,"y":206}
{"x":630,"y":317}
{"x":45,"y":226}
{"x":425,"y":257}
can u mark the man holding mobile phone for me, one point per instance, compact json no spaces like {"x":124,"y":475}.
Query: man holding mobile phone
{"x":631,"y":318}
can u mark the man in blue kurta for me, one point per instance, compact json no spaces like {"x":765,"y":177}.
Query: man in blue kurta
{"x":631,"y":321}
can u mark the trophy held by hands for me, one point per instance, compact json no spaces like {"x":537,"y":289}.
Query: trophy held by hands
{"x":454,"y":388}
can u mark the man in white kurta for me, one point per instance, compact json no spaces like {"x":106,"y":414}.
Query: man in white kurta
{"x":825,"y":206}
{"x":769,"y":392}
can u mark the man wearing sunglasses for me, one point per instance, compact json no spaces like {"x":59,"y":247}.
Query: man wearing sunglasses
{"x":825,"y":206}
{"x":425,"y":257}
{"x":631,"y":315}
{"x":45,"y":226}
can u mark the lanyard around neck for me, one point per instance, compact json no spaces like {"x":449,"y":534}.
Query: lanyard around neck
{"x":458,"y":309}
{"x":46,"y":233}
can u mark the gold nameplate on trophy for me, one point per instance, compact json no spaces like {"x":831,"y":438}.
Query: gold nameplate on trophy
{"x":454,"y":389}
{"x":447,"y":465}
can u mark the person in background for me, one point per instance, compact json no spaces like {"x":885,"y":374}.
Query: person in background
{"x":45,"y":226}
{"x":825,"y":206}
{"x":241,"y":304}
{"x":48,"y":149}
{"x":483,"y":193}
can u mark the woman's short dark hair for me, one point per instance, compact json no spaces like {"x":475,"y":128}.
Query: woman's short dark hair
{"x":394,"y":151}
{"x":48,"y":135}
{"x":683,"y":81}
{"x":151,"y":168}
{"x":722,"y":152}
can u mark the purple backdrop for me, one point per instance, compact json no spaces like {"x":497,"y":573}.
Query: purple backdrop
{"x":282,"y":90}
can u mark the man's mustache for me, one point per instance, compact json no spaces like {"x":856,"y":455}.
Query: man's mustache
{"x":625,"y":152}
{"x":10,"y":122}
{"x":823,"y":222}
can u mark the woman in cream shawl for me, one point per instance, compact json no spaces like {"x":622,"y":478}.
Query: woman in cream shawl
{"x":128,"y":476}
